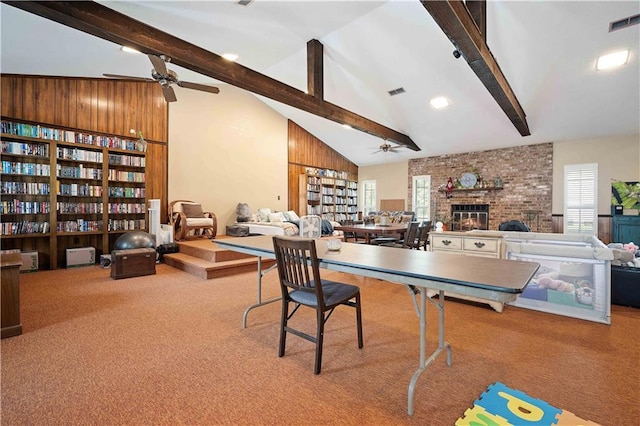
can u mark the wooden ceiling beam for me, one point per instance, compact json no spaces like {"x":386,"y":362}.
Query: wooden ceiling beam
{"x":315,"y":69}
{"x":105,"y":23}
{"x":454,"y":19}
{"x":478,"y":11}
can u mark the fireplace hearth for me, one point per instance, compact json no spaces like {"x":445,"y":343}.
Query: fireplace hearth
{"x":467,"y":217}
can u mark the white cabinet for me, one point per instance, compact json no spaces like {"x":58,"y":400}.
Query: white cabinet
{"x":470,"y":245}
{"x":464,"y":244}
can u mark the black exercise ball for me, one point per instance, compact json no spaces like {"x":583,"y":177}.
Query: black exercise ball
{"x":135,"y":239}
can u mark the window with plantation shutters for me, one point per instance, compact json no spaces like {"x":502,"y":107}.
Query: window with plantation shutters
{"x":581,"y":199}
{"x":368,"y":196}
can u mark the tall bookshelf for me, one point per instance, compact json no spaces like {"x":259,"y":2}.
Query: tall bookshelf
{"x":67,"y":188}
{"x":331,"y":194}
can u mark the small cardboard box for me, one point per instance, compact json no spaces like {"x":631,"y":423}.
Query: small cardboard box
{"x":83,"y":256}
{"x":29,"y":261}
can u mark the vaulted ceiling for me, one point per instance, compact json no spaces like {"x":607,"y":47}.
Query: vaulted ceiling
{"x":545,"y":49}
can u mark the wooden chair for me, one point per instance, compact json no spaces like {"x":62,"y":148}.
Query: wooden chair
{"x":422,"y":240}
{"x":347,"y":235}
{"x":301,"y":284}
{"x":189,"y":221}
{"x":409,"y":239}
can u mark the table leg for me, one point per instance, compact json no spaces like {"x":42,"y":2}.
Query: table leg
{"x":261,"y":273}
{"x":442,"y":344}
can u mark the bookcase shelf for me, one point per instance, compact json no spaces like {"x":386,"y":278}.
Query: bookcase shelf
{"x":69,"y":186}
{"x":329,"y":194}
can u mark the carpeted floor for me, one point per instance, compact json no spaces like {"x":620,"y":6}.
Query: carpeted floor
{"x":170,"y":349}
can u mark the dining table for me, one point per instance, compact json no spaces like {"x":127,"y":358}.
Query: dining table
{"x":494,"y":279}
{"x":370,"y":231}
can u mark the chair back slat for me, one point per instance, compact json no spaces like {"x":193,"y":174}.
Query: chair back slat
{"x":410,"y":235}
{"x":423,"y":234}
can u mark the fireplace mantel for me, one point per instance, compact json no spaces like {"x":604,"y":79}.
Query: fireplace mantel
{"x":470,"y":189}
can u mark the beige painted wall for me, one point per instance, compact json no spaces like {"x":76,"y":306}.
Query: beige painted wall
{"x":231,"y":147}
{"x":617,"y":158}
{"x":225,"y":149}
{"x":391,"y":181}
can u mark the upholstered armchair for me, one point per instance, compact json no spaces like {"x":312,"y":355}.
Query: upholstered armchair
{"x":190,"y":221}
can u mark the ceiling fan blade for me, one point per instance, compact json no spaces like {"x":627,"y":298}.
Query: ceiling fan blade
{"x":158,"y":64}
{"x":169,"y":94}
{"x":196,"y":86}
{"x":127,"y":77}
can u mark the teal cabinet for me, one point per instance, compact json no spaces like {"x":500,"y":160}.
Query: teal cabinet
{"x":626,"y":229}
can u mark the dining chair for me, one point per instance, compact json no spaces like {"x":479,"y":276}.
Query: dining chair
{"x":301,"y":285}
{"x":408,"y":241}
{"x":422,"y":240}
{"x":347,"y":234}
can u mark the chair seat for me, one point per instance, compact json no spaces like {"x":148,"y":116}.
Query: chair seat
{"x":332,"y":291}
{"x":384,"y":240}
{"x":199,"y":221}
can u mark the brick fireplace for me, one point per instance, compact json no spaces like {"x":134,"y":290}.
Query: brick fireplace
{"x":526,"y":173}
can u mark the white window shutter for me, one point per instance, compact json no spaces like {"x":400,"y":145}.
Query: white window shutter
{"x":581,"y":199}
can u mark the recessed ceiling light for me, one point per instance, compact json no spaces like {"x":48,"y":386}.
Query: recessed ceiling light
{"x":611,"y":60}
{"x":230,"y":57}
{"x":346,"y":126}
{"x":439,"y":102}
{"x":129,"y":49}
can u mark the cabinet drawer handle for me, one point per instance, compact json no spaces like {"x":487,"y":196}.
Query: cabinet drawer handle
{"x":478,"y":244}
{"x":446,"y":242}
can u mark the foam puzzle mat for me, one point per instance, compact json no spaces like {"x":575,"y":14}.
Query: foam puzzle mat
{"x":503,"y":406}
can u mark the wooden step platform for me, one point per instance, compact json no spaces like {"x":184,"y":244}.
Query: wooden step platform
{"x":203,"y":258}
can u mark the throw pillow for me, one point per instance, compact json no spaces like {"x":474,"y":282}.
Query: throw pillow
{"x":293,"y":217}
{"x":193,"y":210}
{"x":275,"y":217}
{"x":263,"y":214}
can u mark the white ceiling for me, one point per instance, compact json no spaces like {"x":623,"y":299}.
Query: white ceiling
{"x":546,"y":50}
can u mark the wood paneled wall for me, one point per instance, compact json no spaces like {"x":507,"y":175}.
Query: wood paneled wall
{"x":305,"y":150}
{"x":605,"y":227}
{"x":96,"y":105}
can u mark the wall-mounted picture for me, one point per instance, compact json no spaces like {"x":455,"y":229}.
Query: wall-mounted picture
{"x":626,"y":194}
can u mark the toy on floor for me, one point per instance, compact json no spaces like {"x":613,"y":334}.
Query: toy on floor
{"x":501,"y":405}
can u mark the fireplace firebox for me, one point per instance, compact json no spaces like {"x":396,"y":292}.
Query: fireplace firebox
{"x":466,"y":217}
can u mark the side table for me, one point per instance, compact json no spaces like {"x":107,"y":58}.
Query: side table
{"x":10,"y":275}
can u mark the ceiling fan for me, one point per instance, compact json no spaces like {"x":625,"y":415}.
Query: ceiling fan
{"x":166,"y":78}
{"x":387,"y":147}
